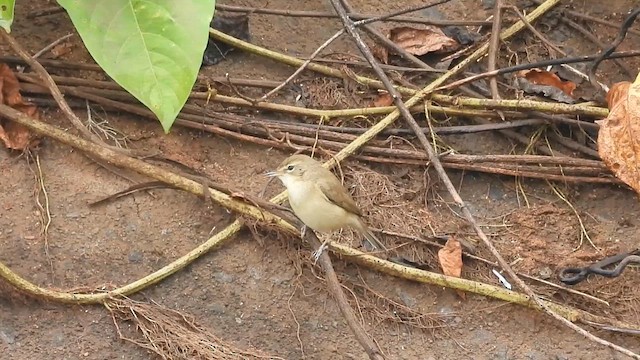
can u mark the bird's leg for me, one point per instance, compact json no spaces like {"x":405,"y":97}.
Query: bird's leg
{"x":318,"y":252}
{"x":303,"y":231}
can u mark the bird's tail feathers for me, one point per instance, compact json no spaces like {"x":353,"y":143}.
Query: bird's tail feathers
{"x":371,"y":238}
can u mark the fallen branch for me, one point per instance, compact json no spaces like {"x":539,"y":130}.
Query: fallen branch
{"x":370,"y":347}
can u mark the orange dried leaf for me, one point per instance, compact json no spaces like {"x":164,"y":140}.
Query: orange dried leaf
{"x":10,"y":87}
{"x":422,"y":41}
{"x":543,"y":77}
{"x":384,"y":99}
{"x":14,"y":135}
{"x":450,"y":257}
{"x":619,"y":135}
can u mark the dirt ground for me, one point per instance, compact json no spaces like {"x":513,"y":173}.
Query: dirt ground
{"x":266,"y":296}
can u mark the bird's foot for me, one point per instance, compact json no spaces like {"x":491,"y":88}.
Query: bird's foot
{"x":318,"y":252}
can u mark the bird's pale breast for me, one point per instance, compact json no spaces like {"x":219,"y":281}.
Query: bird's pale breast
{"x":314,"y":209}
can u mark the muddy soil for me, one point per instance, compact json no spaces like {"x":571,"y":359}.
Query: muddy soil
{"x":257,"y":295}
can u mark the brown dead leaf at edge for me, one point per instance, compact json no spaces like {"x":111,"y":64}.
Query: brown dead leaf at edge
{"x":14,"y":135}
{"x":619,"y":134}
{"x":450,"y":257}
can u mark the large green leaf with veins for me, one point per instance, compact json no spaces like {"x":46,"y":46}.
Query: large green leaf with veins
{"x":6,"y":14}
{"x":152,"y":48}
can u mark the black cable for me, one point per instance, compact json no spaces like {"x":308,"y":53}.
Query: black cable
{"x":616,"y":42}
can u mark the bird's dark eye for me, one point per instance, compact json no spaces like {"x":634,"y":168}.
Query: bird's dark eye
{"x":290,"y":167}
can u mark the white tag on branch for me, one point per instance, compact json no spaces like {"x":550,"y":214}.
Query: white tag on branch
{"x":502,"y":279}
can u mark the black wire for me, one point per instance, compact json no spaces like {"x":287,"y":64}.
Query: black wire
{"x":621,"y":35}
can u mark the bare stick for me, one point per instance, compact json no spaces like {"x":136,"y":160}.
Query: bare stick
{"x":540,"y":64}
{"x":434,"y":160}
{"x":365,"y":23}
{"x":534,"y":31}
{"x":321,"y":14}
{"x":370,"y":347}
{"x":303,"y":66}
{"x":597,"y":42}
{"x":494,"y":47}
{"x":50,"y":46}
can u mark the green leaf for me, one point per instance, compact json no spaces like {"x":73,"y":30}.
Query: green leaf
{"x":6,"y":14}
{"x":152,"y":48}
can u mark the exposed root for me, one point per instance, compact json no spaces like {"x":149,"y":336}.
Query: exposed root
{"x":173,"y":335}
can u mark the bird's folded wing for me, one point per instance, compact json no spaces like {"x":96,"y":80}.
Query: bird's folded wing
{"x":336,"y":193}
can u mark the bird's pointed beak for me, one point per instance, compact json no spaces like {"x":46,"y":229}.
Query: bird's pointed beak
{"x":272,"y":174}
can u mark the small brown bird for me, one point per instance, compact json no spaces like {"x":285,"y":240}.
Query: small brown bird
{"x":318,"y":198}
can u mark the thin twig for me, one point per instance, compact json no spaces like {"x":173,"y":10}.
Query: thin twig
{"x":370,"y":346}
{"x":494,"y":47}
{"x":43,"y":209}
{"x":584,"y":32}
{"x":606,"y":52}
{"x":539,"y":64}
{"x":355,"y":16}
{"x":51,"y":46}
{"x":556,"y":108}
{"x":598,"y":20}
{"x":534,"y":31}
{"x":303,"y":66}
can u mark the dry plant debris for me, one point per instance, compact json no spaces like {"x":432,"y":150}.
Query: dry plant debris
{"x":619,"y":136}
{"x":538,"y":81}
{"x":421,"y":41}
{"x":173,"y":335}
{"x":450,"y":257}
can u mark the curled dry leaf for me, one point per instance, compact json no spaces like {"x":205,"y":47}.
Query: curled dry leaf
{"x":383,"y":99}
{"x":450,"y":257}
{"x":535,"y":81}
{"x":422,"y":41}
{"x":619,"y":135}
{"x":14,"y":135}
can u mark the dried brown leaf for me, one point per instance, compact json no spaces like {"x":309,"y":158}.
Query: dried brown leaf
{"x":619,"y":135}
{"x":420,"y":41}
{"x":450,"y":257}
{"x":384,"y":99}
{"x":547,"y":83}
{"x":9,"y":87}
{"x":543,"y":77}
{"x":14,"y":135}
